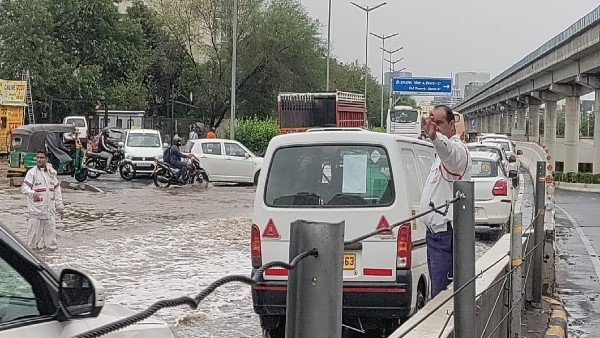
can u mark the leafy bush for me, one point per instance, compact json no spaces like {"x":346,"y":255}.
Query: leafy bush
{"x":571,"y":177}
{"x":256,"y":134}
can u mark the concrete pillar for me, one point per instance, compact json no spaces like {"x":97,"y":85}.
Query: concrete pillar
{"x":550,"y":129}
{"x":534,"y":122}
{"x":571,"y":134}
{"x":509,"y":118}
{"x":498,"y":122}
{"x":519,"y":131}
{"x":596,"y":167}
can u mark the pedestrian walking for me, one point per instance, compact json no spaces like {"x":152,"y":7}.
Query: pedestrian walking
{"x":452,"y":163}
{"x":44,"y":201}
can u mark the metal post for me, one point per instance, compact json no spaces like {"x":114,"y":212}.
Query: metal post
{"x":105,"y":114}
{"x":314,"y":295}
{"x":464,"y":260}
{"x":538,"y":255}
{"x":516,"y":258}
{"x":172,"y":116}
{"x":233,"y":68}
{"x":328,"y":46}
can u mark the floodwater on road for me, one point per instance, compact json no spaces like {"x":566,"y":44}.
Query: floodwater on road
{"x":144,"y":244}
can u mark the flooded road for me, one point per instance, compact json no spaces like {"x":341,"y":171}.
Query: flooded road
{"x":146,"y":244}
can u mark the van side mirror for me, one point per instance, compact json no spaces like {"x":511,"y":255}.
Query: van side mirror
{"x":512,"y":174}
{"x":512,"y":159}
{"x":519,"y":152}
{"x":80,"y":296}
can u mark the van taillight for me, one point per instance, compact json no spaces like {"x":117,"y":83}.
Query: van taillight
{"x":500,"y":188}
{"x":255,"y":247}
{"x":404,"y":252}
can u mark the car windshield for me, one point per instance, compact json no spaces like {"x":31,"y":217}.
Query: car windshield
{"x":504,"y":144}
{"x":143,"y":140}
{"x":404,"y":116}
{"x":330,"y":176}
{"x":484,"y":168}
{"x":77,"y":122}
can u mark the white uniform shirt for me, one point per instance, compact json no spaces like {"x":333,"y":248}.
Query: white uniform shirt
{"x":453,"y":163}
{"x":45,"y":183}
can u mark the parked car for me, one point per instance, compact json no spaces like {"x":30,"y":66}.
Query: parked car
{"x":511,"y":152}
{"x":81,"y":125}
{"x":368,"y":180}
{"x":37,"y":302}
{"x":143,"y":147}
{"x":491,"y":148}
{"x":494,"y":197}
{"x":226,"y":160}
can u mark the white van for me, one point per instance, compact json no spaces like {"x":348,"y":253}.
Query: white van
{"x":142,"y":147}
{"x":369,"y":180}
{"x":80,"y":124}
{"x":404,"y":120}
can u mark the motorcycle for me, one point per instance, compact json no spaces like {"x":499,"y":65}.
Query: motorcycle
{"x":95,"y":165}
{"x":164,"y":174}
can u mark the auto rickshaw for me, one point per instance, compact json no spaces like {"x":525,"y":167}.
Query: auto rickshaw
{"x":65,"y":157}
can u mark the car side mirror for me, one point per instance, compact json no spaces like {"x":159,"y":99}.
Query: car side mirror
{"x":512,"y":174}
{"x":165,"y":145}
{"x":512,"y":159}
{"x":519,"y":152}
{"x":121,"y":144}
{"x":80,"y":296}
{"x":246,"y":155}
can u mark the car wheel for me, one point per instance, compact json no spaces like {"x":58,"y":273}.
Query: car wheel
{"x":420,"y":296}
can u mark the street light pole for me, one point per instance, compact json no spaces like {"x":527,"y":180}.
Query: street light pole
{"x":383,"y":38}
{"x":233,"y":68}
{"x":367,"y":10}
{"x":328,"y":47}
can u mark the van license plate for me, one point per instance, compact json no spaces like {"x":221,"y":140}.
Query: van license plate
{"x":349,"y":261}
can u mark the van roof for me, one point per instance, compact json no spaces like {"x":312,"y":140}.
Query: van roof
{"x":343,"y":136}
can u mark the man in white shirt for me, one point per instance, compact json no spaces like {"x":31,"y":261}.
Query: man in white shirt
{"x":452,"y":163}
{"x":44,"y":200}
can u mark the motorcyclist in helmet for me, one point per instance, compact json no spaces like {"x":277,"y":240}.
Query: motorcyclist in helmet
{"x":107,"y":147}
{"x":175,"y":157}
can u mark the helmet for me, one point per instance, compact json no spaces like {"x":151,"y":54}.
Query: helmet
{"x":177,"y":140}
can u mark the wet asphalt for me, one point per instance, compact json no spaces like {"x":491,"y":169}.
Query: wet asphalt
{"x":577,"y":264}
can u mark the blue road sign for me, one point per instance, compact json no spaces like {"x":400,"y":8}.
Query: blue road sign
{"x":422,"y":86}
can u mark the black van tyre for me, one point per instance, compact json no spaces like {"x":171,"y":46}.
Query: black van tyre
{"x":421,"y":295}
{"x":92,"y":163}
{"x":81,"y":175}
{"x":127,"y":171}
{"x":162,"y":179}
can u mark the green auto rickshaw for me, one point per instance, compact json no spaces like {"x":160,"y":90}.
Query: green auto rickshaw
{"x":65,"y":156}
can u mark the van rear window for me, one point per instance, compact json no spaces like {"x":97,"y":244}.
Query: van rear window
{"x":330,"y":176}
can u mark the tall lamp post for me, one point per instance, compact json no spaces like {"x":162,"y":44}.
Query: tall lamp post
{"x":367,"y":10}
{"x":328,"y":46}
{"x":233,"y":67}
{"x":383,"y":38}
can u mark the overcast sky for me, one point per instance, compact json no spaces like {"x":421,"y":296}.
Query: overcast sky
{"x":444,"y":36}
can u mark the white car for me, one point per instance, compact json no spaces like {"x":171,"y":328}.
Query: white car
{"x":368,"y":180}
{"x":494,"y":196}
{"x":226,"y":160}
{"x":142,"y":147}
{"x":509,"y":163}
{"x":510,"y":150}
{"x":36,"y":302}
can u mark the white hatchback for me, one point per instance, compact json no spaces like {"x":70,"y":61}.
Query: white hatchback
{"x":494,"y":196}
{"x":226,"y":160}
{"x":142,"y":147}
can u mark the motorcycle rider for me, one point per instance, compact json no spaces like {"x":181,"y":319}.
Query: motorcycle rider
{"x":175,"y":156}
{"x":107,"y":148}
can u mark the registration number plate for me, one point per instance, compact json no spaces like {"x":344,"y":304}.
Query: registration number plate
{"x":349,"y":261}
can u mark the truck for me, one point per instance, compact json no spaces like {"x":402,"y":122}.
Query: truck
{"x":299,"y":112}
